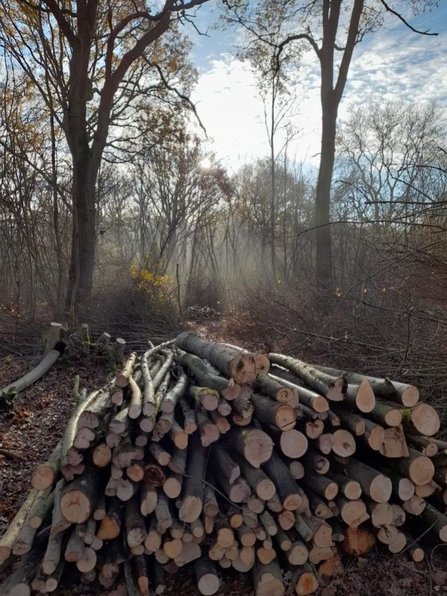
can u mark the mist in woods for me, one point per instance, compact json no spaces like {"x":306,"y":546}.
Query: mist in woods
{"x":172,"y":228}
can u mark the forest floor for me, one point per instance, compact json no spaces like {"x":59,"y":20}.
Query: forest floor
{"x":37,"y":422}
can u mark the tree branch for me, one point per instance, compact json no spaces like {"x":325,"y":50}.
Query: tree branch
{"x":406,"y":23}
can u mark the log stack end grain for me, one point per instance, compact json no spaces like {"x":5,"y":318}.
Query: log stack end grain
{"x":203,"y":455}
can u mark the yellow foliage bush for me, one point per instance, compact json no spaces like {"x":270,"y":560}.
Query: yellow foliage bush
{"x":155,"y":286}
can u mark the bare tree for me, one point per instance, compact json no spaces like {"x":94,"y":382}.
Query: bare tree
{"x":90,"y":62}
{"x":332,"y":29}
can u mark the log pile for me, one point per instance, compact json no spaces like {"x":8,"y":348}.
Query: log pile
{"x":207,"y":455}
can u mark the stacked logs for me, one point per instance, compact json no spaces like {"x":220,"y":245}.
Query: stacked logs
{"x":205,"y":454}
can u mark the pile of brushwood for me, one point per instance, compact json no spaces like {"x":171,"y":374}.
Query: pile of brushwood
{"x":205,"y":454}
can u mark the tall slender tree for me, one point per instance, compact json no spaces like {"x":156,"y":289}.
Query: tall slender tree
{"x":332,"y":29}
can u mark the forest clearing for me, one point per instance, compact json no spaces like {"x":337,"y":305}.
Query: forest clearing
{"x":223,"y":354}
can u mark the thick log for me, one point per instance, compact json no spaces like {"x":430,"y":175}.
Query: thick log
{"x":160,"y":455}
{"x":353,"y":513}
{"x":242,"y":406}
{"x":79,"y":497}
{"x":374,"y":484}
{"x":427,"y":490}
{"x":206,"y":398}
{"x":190,"y":552}
{"x":333,"y":389}
{"x":125,"y":453}
{"x":261,"y":360}
{"x":96,"y":406}
{"x":318,"y":505}
{"x":268,"y":386}
{"x":296,"y":468}
{"x":238,"y":492}
{"x":231,"y":362}
{"x":45,"y":474}
{"x":304,"y":580}
{"x":172,"y":486}
{"x":421,"y":420}
{"x":206,"y":378}
{"x":414,"y":505}
{"x":298,"y":554}
{"x":385,"y":414}
{"x":357,"y":541}
{"x":269,"y":411}
{"x":255,"y":445}
{"x":325,"y":442}
{"x":209,"y":433}
{"x":268,"y":579}
{"x":381,"y":514}
{"x":343,"y":443}
{"x":263,"y":486}
{"x":315,"y":461}
{"x":353,"y":422}
{"x":153,"y":539}
{"x":136,"y":398}
{"x":313,"y":428}
{"x":417,"y":467}
{"x":399,"y":515}
{"x":322,"y":485}
{"x":207,"y":577}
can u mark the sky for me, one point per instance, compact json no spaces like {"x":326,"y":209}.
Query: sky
{"x":390,"y":64}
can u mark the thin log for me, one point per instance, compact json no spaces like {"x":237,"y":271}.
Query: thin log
{"x":171,"y":398}
{"x":263,"y":486}
{"x":289,"y":492}
{"x":192,"y":499}
{"x":122,"y":378}
{"x":401,"y":393}
{"x":33,"y":376}
{"x":333,"y":389}
{"x":14,"y":528}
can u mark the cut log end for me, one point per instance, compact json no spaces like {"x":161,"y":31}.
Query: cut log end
{"x":365,"y":399}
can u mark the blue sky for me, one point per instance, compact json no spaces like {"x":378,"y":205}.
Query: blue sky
{"x":392,"y":63}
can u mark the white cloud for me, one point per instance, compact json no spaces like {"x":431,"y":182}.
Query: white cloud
{"x":391,"y":64}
